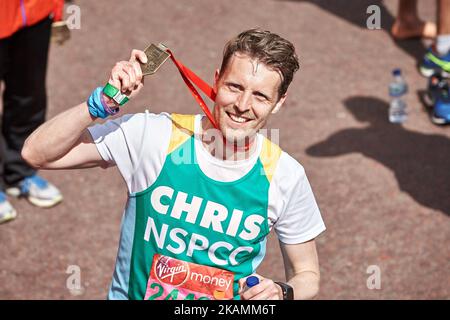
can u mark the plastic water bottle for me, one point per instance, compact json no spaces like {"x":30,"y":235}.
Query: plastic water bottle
{"x":251,"y":282}
{"x":397,"y":107}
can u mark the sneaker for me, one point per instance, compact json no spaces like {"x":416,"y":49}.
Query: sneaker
{"x":38,"y":191}
{"x":438,"y":99}
{"x":433,"y":63}
{"x":7,"y":212}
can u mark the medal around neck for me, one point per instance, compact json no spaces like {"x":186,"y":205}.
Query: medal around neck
{"x":156,"y":56}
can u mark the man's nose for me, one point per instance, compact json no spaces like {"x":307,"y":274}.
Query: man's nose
{"x":243,"y":102}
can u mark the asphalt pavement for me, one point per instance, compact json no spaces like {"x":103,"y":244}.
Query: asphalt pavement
{"x":383,"y":189}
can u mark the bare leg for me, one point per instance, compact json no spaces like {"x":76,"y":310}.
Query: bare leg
{"x":408,"y":25}
{"x":444,"y":17}
{"x":442,"y":45}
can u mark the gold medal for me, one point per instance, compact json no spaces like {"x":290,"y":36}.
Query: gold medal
{"x":156,"y":56}
{"x":60,"y":32}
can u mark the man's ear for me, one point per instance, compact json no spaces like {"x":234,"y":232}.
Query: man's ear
{"x":279,"y":104}
{"x":216,"y":80}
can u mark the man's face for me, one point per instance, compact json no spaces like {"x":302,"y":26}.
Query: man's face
{"x":247,"y":92}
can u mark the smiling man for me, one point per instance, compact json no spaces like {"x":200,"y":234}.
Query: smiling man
{"x":197,"y":219}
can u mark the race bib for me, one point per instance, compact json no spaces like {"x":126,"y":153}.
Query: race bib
{"x":173,"y":279}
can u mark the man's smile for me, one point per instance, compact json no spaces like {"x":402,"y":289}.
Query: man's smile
{"x":238,"y":119}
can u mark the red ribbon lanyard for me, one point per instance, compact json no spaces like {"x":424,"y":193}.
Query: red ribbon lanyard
{"x":188,"y":76}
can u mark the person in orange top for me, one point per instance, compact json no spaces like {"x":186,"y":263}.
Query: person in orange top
{"x":25,"y":30}
{"x":18,"y":14}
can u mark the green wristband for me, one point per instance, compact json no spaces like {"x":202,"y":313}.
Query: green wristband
{"x":114,"y":93}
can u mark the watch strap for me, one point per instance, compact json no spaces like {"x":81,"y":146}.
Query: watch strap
{"x":287,"y":290}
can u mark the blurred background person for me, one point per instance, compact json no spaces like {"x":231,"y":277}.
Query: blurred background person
{"x":436,"y":62}
{"x":408,"y":25}
{"x":25,"y":31}
{"x":436,"y":66}
{"x":437,"y":59}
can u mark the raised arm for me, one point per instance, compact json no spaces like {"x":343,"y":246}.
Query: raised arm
{"x":64,"y":141}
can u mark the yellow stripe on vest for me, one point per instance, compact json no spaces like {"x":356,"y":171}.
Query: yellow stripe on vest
{"x":270,"y":153}
{"x":182,"y":129}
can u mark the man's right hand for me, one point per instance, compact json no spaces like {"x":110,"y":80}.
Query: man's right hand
{"x":127,"y":75}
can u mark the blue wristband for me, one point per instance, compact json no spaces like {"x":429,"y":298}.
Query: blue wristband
{"x":97,"y":108}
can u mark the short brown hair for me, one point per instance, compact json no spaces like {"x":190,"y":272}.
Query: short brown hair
{"x":268,"y":48}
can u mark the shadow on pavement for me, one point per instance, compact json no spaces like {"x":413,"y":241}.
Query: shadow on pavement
{"x":420,"y":162}
{"x":355,"y":12}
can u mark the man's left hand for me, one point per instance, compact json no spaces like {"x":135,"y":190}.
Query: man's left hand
{"x":266,"y":289}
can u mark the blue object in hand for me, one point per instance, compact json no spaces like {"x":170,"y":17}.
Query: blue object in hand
{"x":251,"y":281}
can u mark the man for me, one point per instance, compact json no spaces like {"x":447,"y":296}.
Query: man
{"x":24,"y":41}
{"x":196,"y":220}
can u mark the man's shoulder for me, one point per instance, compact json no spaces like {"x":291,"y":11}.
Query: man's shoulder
{"x":289,"y":170}
{"x":134,"y":124}
{"x":160,"y":117}
{"x":288,"y":161}
{"x":143,"y":120}
{"x":142,"y":116}
{"x":183,"y":121}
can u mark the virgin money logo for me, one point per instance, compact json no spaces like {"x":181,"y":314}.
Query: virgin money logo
{"x":171,"y":271}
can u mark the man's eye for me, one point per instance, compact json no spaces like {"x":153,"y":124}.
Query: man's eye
{"x":261,"y":97}
{"x":234,"y":87}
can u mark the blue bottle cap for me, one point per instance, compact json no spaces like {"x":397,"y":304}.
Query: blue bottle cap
{"x":396,"y":72}
{"x":251,"y":281}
